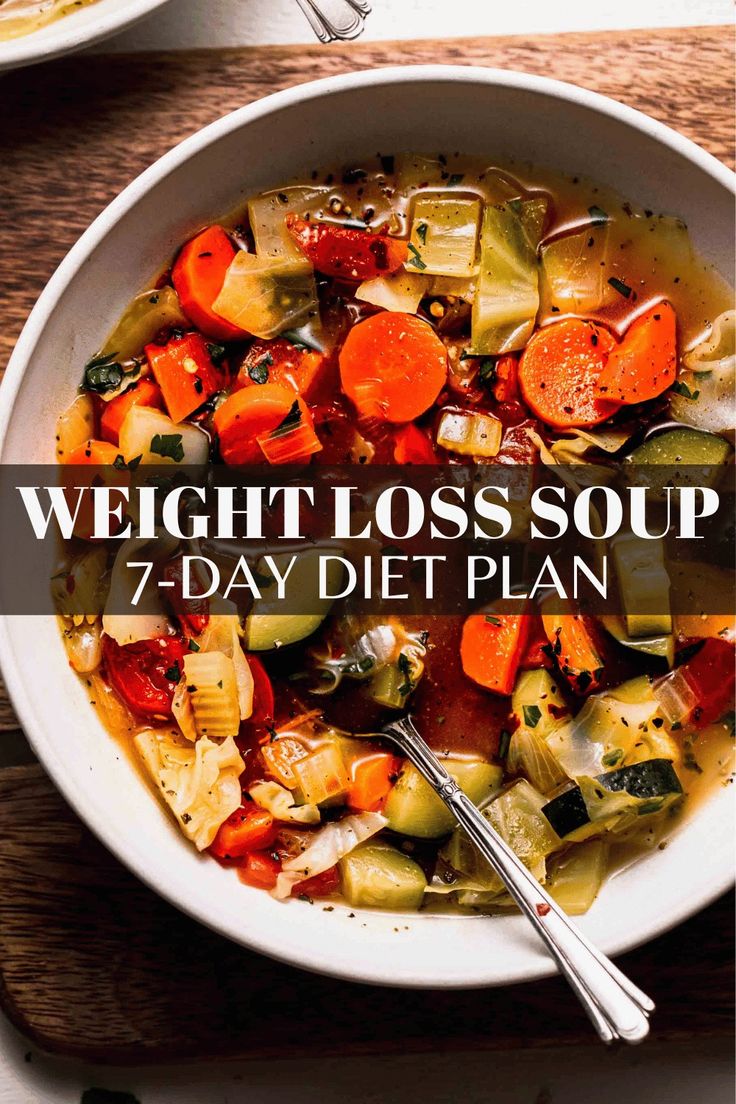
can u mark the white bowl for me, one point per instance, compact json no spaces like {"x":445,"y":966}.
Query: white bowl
{"x":74,"y":31}
{"x":428,"y":108}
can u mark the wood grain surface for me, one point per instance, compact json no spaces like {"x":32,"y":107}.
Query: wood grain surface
{"x":73,"y":133}
{"x":95,"y":966}
{"x":92,"y":964}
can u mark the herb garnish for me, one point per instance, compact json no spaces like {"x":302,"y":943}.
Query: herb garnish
{"x":503,"y":743}
{"x":103,"y":374}
{"x":683,"y":389}
{"x":620,"y":287}
{"x":291,"y":421}
{"x":532,"y":715}
{"x":597,"y":215}
{"x":456,"y":178}
{"x":216,"y":352}
{"x":120,"y":464}
{"x":611,"y":758}
{"x":416,"y":258}
{"x":491,"y":620}
{"x":174,"y":673}
{"x":259,"y":372}
{"x":168,"y":444}
{"x":422,"y":229}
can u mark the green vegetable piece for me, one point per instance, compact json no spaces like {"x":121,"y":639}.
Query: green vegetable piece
{"x":507,"y":296}
{"x":678,"y":447}
{"x":168,"y":445}
{"x":414,"y":809}
{"x":575,"y":878}
{"x":376,"y":875}
{"x":650,"y":779}
{"x":567,"y":812}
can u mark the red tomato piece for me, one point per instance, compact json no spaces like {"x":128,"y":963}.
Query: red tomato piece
{"x":711,"y":673}
{"x":247,"y":829}
{"x":347,"y":253}
{"x":259,"y":869}
{"x":281,"y":362}
{"x":321,"y":885}
{"x":264,"y":704}
{"x":193,"y":613}
{"x":145,"y":674}
{"x":413,"y":446}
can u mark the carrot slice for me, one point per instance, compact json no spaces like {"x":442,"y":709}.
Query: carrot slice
{"x":346,"y":253}
{"x":393,"y":366}
{"x":93,"y":454}
{"x":491,"y":648}
{"x":252,"y":413}
{"x":372,"y":779}
{"x":198,"y":276}
{"x":145,"y":393}
{"x":413,"y":446}
{"x":576,"y":647}
{"x":560,"y":370}
{"x":644,"y":364}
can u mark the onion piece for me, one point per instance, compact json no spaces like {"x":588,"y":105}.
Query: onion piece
{"x":279,"y":801}
{"x":149,"y":620}
{"x":704,"y":395}
{"x":154,"y":437}
{"x":676,"y":697}
{"x":75,"y":426}
{"x":330,"y":844}
{"x":266,"y":296}
{"x":403,"y":291}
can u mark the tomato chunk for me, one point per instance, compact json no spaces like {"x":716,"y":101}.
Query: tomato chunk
{"x":145,"y":674}
{"x":281,"y":362}
{"x":247,"y":829}
{"x":259,"y":869}
{"x":346,"y":253}
{"x":321,"y":885}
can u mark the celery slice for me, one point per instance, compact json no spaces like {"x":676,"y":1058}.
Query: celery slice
{"x":321,"y":776}
{"x":444,"y":235}
{"x":470,"y":434}
{"x":507,"y":296}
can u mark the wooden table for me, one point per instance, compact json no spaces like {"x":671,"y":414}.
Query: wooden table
{"x":91,"y":963}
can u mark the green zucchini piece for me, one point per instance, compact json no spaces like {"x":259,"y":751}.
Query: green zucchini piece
{"x":266,"y":627}
{"x":644,"y":586}
{"x":567,"y":812}
{"x":576,"y":877}
{"x":653,"y":778}
{"x":414,"y":809}
{"x":376,"y":875}
{"x":684,"y":446}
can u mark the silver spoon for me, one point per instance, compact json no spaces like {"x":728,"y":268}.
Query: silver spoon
{"x":333,"y":20}
{"x":617,"y":1009}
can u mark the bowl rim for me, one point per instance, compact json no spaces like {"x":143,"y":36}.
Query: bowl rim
{"x":64,"y":35}
{"x":308,"y":957}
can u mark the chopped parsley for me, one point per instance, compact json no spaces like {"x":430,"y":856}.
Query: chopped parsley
{"x":119,"y":463}
{"x":597,"y":215}
{"x":259,"y":372}
{"x":487,"y":371}
{"x":491,"y":620}
{"x":174,"y":672}
{"x":103,"y":374}
{"x":415,"y":260}
{"x":611,"y":758}
{"x":503,"y":743}
{"x":168,"y":445}
{"x":620,"y":287}
{"x":422,"y":229}
{"x":455,"y":179}
{"x":683,"y":389}
{"x":193,"y":646}
{"x":291,"y":421}
{"x":532,"y":715}
{"x":404,"y":666}
{"x":217,"y":352}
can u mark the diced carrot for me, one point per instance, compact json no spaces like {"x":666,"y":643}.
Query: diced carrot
{"x":576,"y":646}
{"x":252,"y":413}
{"x":506,"y":381}
{"x":259,"y":869}
{"x":98,"y":453}
{"x":346,"y":253}
{"x":372,"y":779}
{"x":413,"y":446}
{"x":560,"y":370}
{"x":198,"y":276}
{"x":321,"y":885}
{"x":247,"y":829}
{"x":185,"y":372}
{"x":393,"y":366}
{"x":281,"y":362}
{"x":93,"y":454}
{"x":644,"y":364}
{"x":491,"y":648}
{"x":144,"y":393}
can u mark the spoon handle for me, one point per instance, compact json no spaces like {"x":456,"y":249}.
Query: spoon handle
{"x":616,"y":1007}
{"x":334,"y":19}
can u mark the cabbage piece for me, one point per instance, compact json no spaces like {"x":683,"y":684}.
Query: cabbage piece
{"x":333,"y":842}
{"x":200,"y":783}
{"x":222,"y":634}
{"x":605,"y":732}
{"x":267,"y":218}
{"x":470,"y":434}
{"x":156,"y":439}
{"x":574,"y":271}
{"x":75,"y":426}
{"x":444,"y":235}
{"x":704,"y":395}
{"x":279,"y":802}
{"x":144,"y":317}
{"x":530,"y":755}
{"x":403,"y":291}
{"x":453,"y":287}
{"x":149,"y":619}
{"x":83,"y":643}
{"x":266,"y":296}
{"x":507,"y":296}
{"x":80,"y":591}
